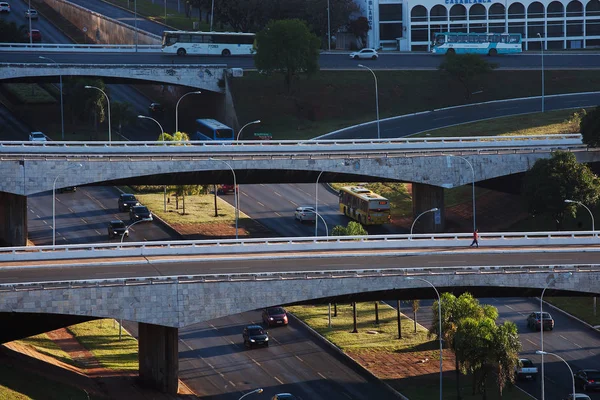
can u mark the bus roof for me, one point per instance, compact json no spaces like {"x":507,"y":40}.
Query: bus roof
{"x":212,"y":123}
{"x":362,"y":193}
{"x":211,"y":33}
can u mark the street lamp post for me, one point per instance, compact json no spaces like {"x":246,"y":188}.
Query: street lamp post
{"x":30,"y":34}
{"x":136,"y":222}
{"x":108,"y":105}
{"x":439,"y":326}
{"x":62,"y":114}
{"x":212,"y":13}
{"x":322,"y":219}
{"x":162,"y":131}
{"x":177,"y":109}
{"x":328,"y":27}
{"x":472,"y":184}
{"x":135,"y":24}
{"x":249,"y":393}
{"x":542,"y":45}
{"x":376,"y":99}
{"x":54,"y":203}
{"x":234,"y":193}
{"x":542,"y":352}
{"x":419,"y":216}
{"x":563,"y":360}
{"x":239,"y":135}
{"x":583,"y":205}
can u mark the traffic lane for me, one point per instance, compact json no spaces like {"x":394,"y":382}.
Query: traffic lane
{"x":410,"y":125}
{"x":50,"y":34}
{"x":12,"y":128}
{"x":291,"y":363}
{"x":175,"y":265}
{"x":575,"y":342}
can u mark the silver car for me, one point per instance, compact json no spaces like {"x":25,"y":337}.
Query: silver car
{"x":366,"y":53}
{"x":305,"y":213}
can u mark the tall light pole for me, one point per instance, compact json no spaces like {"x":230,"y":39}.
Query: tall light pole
{"x":542,"y":353}
{"x":135,"y":24}
{"x":322,"y":219}
{"x":317,"y":201}
{"x":419,"y":216}
{"x":376,"y":99}
{"x":212,"y":13}
{"x":234,"y":193}
{"x":54,"y":202}
{"x":239,"y":135}
{"x":62,"y":114}
{"x":472,"y":184}
{"x":130,"y":225}
{"x":328,"y":27}
{"x":542,"y":45}
{"x":108,"y":106}
{"x":249,"y":393}
{"x":439,"y":327}
{"x":583,"y":205}
{"x":162,"y":131}
{"x":177,"y":109}
{"x":30,"y":34}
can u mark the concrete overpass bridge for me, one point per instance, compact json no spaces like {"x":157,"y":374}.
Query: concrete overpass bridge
{"x":202,"y":76}
{"x":168,"y":285}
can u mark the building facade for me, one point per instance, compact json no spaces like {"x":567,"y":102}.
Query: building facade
{"x":409,"y":25}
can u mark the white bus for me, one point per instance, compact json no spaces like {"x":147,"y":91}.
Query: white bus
{"x":207,"y":43}
{"x":477,"y":43}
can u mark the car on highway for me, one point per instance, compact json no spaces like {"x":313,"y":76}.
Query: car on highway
{"x":305,"y":213}
{"x":255,"y":335}
{"x":578,"y":396}
{"x":366,"y":53}
{"x":31,"y":13}
{"x":35,"y":34}
{"x":284,"y":396}
{"x":37,"y":137}
{"x":117,"y":228}
{"x":126,"y":201}
{"x":156,"y":109}
{"x":533,"y":321}
{"x":4,"y":7}
{"x":275,"y":316}
{"x":587,"y":379}
{"x":525,"y":369}
{"x":67,"y":189}
{"x":138,"y":213}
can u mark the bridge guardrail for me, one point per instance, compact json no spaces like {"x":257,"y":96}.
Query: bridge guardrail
{"x":496,"y":143}
{"x":95,"y":48}
{"x":330,"y":274}
{"x":232,"y":247}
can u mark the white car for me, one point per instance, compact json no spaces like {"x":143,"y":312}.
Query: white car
{"x":305,"y":213}
{"x":4,"y":7}
{"x":37,"y":137}
{"x":31,"y":13}
{"x":369,"y":54}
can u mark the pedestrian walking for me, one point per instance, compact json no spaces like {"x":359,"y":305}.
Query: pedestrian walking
{"x":475,"y":238}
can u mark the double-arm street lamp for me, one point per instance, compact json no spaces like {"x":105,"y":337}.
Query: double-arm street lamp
{"x":177,"y":109}
{"x":588,"y":210}
{"x":62,"y":114}
{"x":376,"y":99}
{"x":472,"y":184}
{"x":419,"y":216}
{"x":108,"y":106}
{"x":542,"y":353}
{"x":439,"y":327}
{"x":235,"y":202}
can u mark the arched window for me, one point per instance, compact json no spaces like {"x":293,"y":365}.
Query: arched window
{"x":418,"y":14}
{"x":458,"y":12}
{"x":496,"y":11}
{"x":555,"y":10}
{"x":477,"y":11}
{"x":574,"y":9}
{"x":516,"y":11}
{"x":592,"y":9}
{"x":438,"y":13}
{"x":535,"y":10}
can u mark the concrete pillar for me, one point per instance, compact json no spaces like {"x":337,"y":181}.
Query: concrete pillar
{"x":426,"y":197}
{"x":159,"y":357}
{"x":13,"y":219}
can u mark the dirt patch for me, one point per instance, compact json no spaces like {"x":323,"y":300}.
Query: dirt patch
{"x":247,"y":228}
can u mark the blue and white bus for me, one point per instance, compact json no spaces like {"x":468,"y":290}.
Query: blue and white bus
{"x":477,"y":43}
{"x":211,"y":129}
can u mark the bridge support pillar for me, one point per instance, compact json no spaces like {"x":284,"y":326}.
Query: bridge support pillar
{"x":159,"y":357}
{"x":13,"y":219}
{"x":426,"y":197}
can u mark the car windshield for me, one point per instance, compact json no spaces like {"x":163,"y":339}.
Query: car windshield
{"x":593,"y":375}
{"x":37,"y":135}
{"x":141,"y":209}
{"x":129,"y":197}
{"x":256,"y":331}
{"x":119,"y":224}
{"x":526,"y":363}
{"x":275,"y":311}
{"x":545,"y":316}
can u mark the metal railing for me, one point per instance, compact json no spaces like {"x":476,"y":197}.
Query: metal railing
{"x":95,"y":48}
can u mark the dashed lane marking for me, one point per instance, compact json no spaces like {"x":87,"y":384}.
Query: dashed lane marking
{"x":276,"y":213}
{"x":278,"y":194}
{"x":535,"y":344}
{"x":232,"y":384}
{"x":321,"y":375}
{"x":278,"y":380}
{"x":256,"y":362}
{"x":301,"y":360}
{"x":510,"y":308}
{"x":259,"y":203}
{"x":347,"y":395}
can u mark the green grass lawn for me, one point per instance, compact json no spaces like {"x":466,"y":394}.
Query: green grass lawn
{"x":156,"y":12}
{"x":43,"y":344}
{"x":581,"y":307}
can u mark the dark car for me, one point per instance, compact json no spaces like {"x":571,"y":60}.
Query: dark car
{"x":284,"y":396}
{"x":126,"y":201}
{"x":533,"y":321}
{"x":587,"y":379}
{"x":117,"y":228}
{"x":35,"y":34}
{"x":255,"y":335}
{"x":274,"y":316}
{"x":140,"y":213}
{"x":156,"y":109}
{"x":67,"y":189}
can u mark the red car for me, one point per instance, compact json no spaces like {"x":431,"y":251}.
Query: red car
{"x":35,"y":35}
{"x":274,"y":316}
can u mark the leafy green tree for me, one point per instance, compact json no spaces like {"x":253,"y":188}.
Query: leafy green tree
{"x":359,"y":28}
{"x":287,"y":46}
{"x":465,"y":68}
{"x":352,"y":229}
{"x":10,"y":32}
{"x":79,"y":102}
{"x":590,"y":128}
{"x":551,"y":181}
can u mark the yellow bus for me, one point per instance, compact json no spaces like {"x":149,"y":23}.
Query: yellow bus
{"x":364,"y":206}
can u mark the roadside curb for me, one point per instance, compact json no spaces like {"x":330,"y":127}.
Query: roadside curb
{"x":594,"y":328}
{"x":346,"y":358}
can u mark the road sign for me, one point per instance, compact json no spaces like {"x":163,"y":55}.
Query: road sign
{"x":263,"y":136}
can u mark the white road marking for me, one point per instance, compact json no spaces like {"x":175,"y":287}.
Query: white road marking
{"x":83,"y":220}
{"x":232,"y":384}
{"x":96,"y":230}
{"x":510,"y":308}
{"x":321,"y":375}
{"x":564,"y":337}
{"x":294,"y":203}
{"x":278,"y":194}
{"x":577,"y":345}
{"x":259,"y":203}
{"x":299,"y":359}
{"x":276,"y":213}
{"x":535,"y":344}
{"x":257,"y":363}
{"x":347,"y":395}
{"x":278,"y":380}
